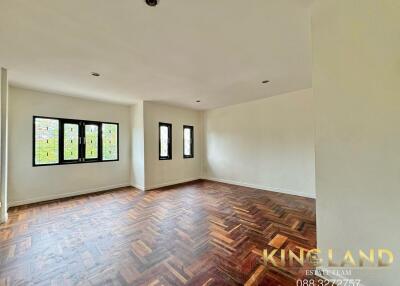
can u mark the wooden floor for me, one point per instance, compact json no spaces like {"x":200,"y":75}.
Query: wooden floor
{"x":203,"y":233}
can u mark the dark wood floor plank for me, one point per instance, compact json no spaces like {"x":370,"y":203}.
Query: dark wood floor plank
{"x":202,"y":233}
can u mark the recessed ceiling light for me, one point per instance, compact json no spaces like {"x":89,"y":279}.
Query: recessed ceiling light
{"x":265,"y":81}
{"x":152,"y":2}
{"x":197,"y":101}
{"x":95,"y":74}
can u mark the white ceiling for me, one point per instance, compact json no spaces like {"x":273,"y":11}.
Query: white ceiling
{"x":217,"y":51}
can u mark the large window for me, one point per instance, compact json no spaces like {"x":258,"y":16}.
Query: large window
{"x":188,"y":141}
{"x":165,"y":141}
{"x":65,"y":141}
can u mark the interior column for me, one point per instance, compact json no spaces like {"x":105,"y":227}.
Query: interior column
{"x":3,"y":143}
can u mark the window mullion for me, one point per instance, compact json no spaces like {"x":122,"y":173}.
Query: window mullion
{"x":100,"y":142}
{"x":61,"y":141}
{"x":81,"y":141}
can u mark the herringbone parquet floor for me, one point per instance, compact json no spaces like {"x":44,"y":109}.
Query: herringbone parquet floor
{"x":201,"y":233}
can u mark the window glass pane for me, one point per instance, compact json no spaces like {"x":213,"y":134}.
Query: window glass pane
{"x":187,"y":139}
{"x":71,"y":141}
{"x":164,"y":141}
{"x":91,"y":141}
{"x":46,"y":141}
{"x":110,"y":141}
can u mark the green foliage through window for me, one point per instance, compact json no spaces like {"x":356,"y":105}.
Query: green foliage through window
{"x":91,"y":141}
{"x":46,"y":141}
{"x":58,"y":141}
{"x":71,"y":141}
{"x":165,"y":141}
{"x":110,"y":141}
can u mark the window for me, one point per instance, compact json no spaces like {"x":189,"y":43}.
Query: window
{"x":65,"y":141}
{"x":71,"y":141}
{"x":165,"y":141}
{"x":91,"y":141}
{"x":110,"y":141}
{"x":46,"y":141}
{"x":188,"y":151}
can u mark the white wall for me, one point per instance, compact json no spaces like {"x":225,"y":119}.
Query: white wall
{"x":267,"y":144}
{"x":166,"y":172}
{"x":4,"y":115}
{"x":30,"y":184}
{"x":137,"y":139}
{"x":356,"y":79}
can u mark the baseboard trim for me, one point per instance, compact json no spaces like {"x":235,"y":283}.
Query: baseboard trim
{"x":261,"y":187}
{"x":171,"y":183}
{"x":139,"y":187}
{"x":4,"y":220}
{"x":156,"y":186}
{"x":66,"y":195}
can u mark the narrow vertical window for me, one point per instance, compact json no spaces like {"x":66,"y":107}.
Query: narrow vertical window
{"x":46,"y":138}
{"x":91,"y":141}
{"x":71,"y":141}
{"x":165,"y":141}
{"x":110,"y":141}
{"x":188,"y":151}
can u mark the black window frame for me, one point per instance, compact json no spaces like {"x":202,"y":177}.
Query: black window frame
{"x":81,"y":152}
{"x":99,"y":140}
{"x":191,"y":141}
{"x":61,"y":143}
{"x":169,"y":126}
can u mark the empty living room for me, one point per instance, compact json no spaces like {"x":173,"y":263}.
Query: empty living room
{"x":200,"y":142}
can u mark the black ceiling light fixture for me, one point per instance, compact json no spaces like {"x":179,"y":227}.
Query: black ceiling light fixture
{"x":265,"y":81}
{"x":197,"y":101}
{"x":95,"y":74}
{"x":152,"y":3}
